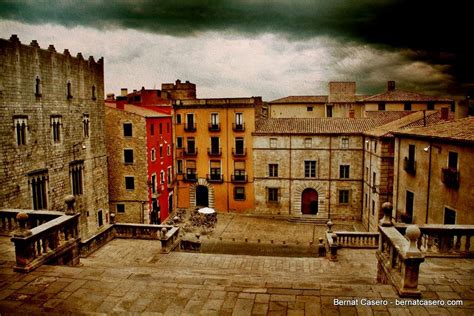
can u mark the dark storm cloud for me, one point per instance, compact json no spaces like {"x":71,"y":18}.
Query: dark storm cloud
{"x":432,"y":31}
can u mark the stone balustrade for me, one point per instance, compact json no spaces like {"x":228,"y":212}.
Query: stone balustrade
{"x":9,"y":223}
{"x":398,"y":256}
{"x":347,"y":239}
{"x":444,"y":240}
{"x":55,"y":241}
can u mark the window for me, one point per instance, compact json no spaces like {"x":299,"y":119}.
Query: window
{"x":310,"y":169}
{"x":411,"y":152}
{"x":430,"y":106}
{"x":239,"y":146}
{"x":453,"y":160}
{"x":20,"y":124}
{"x":375,"y":146}
{"x":410,"y":197}
{"x":162,"y":177}
{"x":374,"y":178}
{"x":343,"y":196}
{"x":215,"y":145}
{"x":161,"y":128}
{"x":215,"y":167}
{"x":272,"y":194}
{"x":328,"y":110}
{"x":153,"y":184}
{"x":93,"y":93}
{"x":153,"y":154}
{"x":120,"y":208}
{"x":407,"y":106}
{"x":56,"y":128}
{"x":127,"y":130}
{"x":367,"y":174}
{"x":344,"y":171}
{"x":239,"y":170}
{"x":179,"y":166}
{"x":308,"y":143}
{"x":273,"y":170}
{"x":381,"y":106}
{"x":214,"y":121}
{"x":309,"y":109}
{"x":179,"y":142}
{"x":75,"y":172}
{"x":191,"y":145}
{"x":169,"y":175}
{"x":168,"y":150}
{"x":68,"y":88}
{"x":190,"y":122}
{"x":38,"y":182}
{"x":345,"y":142}
{"x":273,"y":142}
{"x":38,"y":87}
{"x":366,"y":202}
{"x":191,"y":169}
{"x":239,"y":193}
{"x":449,"y":216}
{"x":178,"y":118}
{"x":85,"y":125}
{"x":239,"y":119}
{"x":128,"y":156}
{"x":152,"y":129}
{"x":130,"y":183}
{"x":373,"y":208}
{"x":161,"y":151}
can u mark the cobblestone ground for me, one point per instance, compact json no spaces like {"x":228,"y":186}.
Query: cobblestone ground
{"x":132,"y":277}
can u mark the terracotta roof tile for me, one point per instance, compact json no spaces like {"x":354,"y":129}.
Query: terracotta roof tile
{"x":139,"y":110}
{"x":403,"y":96}
{"x":302,"y":99}
{"x":461,"y":130}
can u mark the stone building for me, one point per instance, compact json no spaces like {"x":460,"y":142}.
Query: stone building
{"x":379,"y":153}
{"x":433,"y":173}
{"x":140,"y":151}
{"x":213,"y":139}
{"x":52,"y":113}
{"x":310,"y":166}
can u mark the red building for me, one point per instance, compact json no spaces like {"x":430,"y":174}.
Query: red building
{"x":140,"y":153}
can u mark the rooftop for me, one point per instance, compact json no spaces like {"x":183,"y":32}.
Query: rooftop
{"x":317,"y":125}
{"x":403,"y":96}
{"x":138,"y":110}
{"x":460,"y":130}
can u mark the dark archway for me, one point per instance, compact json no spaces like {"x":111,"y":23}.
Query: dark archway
{"x":170,"y":204}
{"x":202,"y":196}
{"x":309,"y":201}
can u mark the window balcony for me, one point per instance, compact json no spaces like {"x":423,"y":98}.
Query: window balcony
{"x":215,"y":178}
{"x":188,"y":127}
{"x":239,"y":152}
{"x":450,"y":177}
{"x":239,"y":178}
{"x":190,"y":177}
{"x":238,"y":127}
{"x":190,"y":151}
{"x":215,"y":152}
{"x":214,"y":127}
{"x":409,"y":165}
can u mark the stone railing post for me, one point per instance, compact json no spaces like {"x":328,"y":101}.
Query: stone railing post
{"x":386,"y":221}
{"x":22,"y":230}
{"x":411,"y":263}
{"x":329,"y":225}
{"x":321,"y":248}
{"x":333,"y":247}
{"x":70,"y":200}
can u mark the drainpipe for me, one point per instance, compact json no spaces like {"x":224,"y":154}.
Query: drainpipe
{"x":330,"y":164}
{"x":369,"y":196}
{"x":363,"y":183}
{"x":429,"y":183}
{"x":398,"y":178}
{"x":227,"y":160}
{"x":289,"y":186}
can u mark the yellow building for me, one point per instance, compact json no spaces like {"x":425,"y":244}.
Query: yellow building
{"x":213,"y":142}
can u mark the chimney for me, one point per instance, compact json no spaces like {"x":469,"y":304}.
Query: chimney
{"x":120,"y":103}
{"x":110,"y":97}
{"x":444,"y":113}
{"x":351,"y":113}
{"x":462,"y":108}
{"x":123,"y":92}
{"x":390,"y":85}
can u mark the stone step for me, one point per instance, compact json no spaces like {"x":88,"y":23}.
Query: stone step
{"x":308,"y":220}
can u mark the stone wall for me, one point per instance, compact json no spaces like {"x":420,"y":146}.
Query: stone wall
{"x":22,"y":69}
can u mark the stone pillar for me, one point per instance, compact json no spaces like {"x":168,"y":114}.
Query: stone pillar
{"x":70,"y":200}
{"x":386,"y":221}
{"x":22,"y":230}
{"x":411,"y":263}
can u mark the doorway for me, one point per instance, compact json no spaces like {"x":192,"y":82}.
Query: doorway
{"x":202,"y":196}
{"x":309,"y":202}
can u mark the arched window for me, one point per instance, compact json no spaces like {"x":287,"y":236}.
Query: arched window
{"x":38,"y":87}
{"x":93,"y":93}
{"x":69,"y":95}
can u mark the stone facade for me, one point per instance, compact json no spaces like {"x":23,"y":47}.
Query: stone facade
{"x":52,"y":140}
{"x":440,"y":193}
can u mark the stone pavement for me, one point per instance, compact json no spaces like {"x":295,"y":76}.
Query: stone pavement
{"x":132,"y":277}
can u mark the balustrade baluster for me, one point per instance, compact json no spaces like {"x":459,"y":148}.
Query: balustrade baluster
{"x":457,"y":245}
{"x":44,"y":241}
{"x":467,"y":245}
{"x":38,"y":248}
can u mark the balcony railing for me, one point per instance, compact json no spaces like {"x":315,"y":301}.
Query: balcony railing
{"x":214,"y":127}
{"x":409,"y":165}
{"x":239,"y":178}
{"x":214,"y":151}
{"x":190,"y":151}
{"x":450,"y":177}
{"x":190,"y":177}
{"x":238,"y":127}
{"x":240,"y":152}
{"x":188,"y":127}
{"x":215,"y":178}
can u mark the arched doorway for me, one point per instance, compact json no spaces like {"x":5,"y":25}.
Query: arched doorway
{"x":170,"y":204}
{"x":202,"y":196}
{"x":309,"y":201}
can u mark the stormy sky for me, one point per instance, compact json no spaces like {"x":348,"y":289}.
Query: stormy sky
{"x":259,"y":47}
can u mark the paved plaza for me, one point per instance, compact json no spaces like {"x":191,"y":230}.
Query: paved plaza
{"x":133,"y":277}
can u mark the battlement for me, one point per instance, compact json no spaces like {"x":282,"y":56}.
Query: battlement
{"x":179,"y":90}
{"x":15,"y":43}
